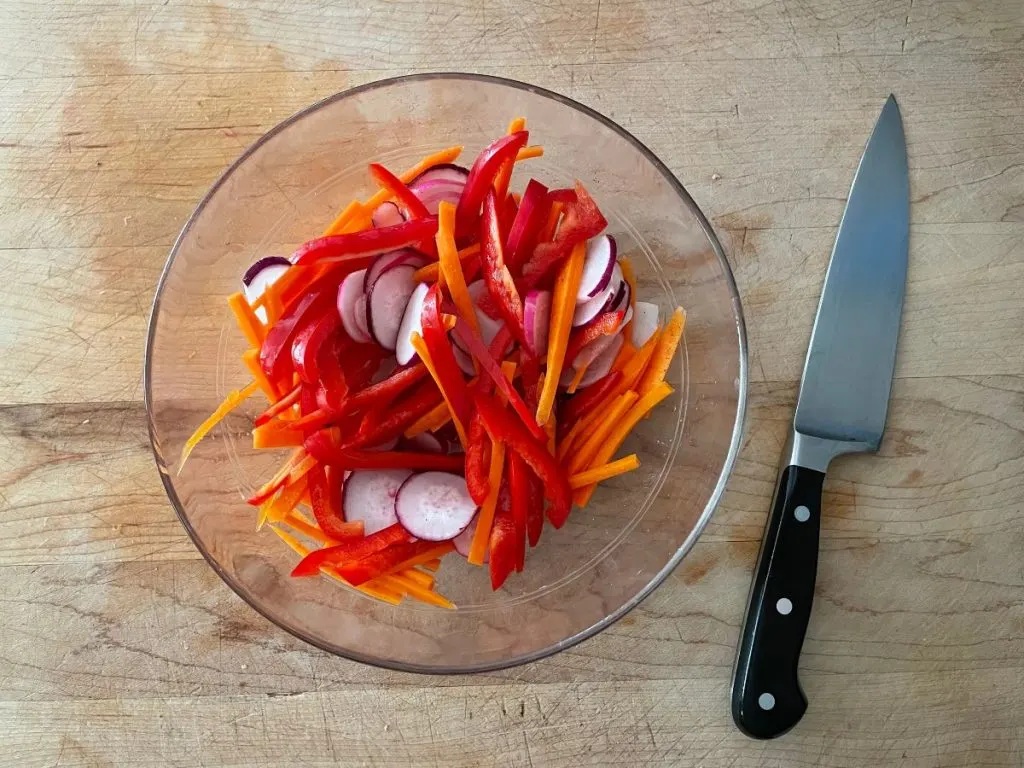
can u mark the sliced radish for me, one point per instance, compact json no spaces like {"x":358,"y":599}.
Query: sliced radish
{"x":568,"y":374}
{"x":625,"y":320}
{"x":412,"y":322}
{"x":369,"y":495}
{"x":586,"y":311}
{"x":464,"y":360}
{"x":464,"y":541}
{"x":386,"y":303}
{"x":362,"y":325}
{"x":447,"y":172}
{"x":427,"y":443}
{"x":602,"y":363}
{"x":433,"y":193}
{"x":598,"y":267}
{"x":434,"y":506}
{"x":621,"y":301}
{"x":489,"y":326}
{"x":387,"y":214}
{"x":349,"y":293}
{"x":645,"y":323}
{"x":536,"y":319}
{"x":259,"y":276}
{"x":403,"y":257}
{"x":593,"y":350}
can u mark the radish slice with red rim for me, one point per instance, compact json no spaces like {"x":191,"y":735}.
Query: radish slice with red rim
{"x":259,"y":276}
{"x":403,"y":257}
{"x":598,"y":267}
{"x":645,"y":323}
{"x":427,"y":443}
{"x":602,"y":364}
{"x":387,"y":214}
{"x":464,"y":541}
{"x":349,"y":293}
{"x":362,"y":324}
{"x":464,"y":360}
{"x":369,"y":495}
{"x":447,"y":172}
{"x":433,"y":193}
{"x":586,"y":311}
{"x":386,"y":303}
{"x":593,"y":350}
{"x":536,"y":319}
{"x":412,"y":322}
{"x":434,"y":506}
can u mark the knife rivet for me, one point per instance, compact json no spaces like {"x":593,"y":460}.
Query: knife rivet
{"x":766,"y":701}
{"x":784,"y":606}
{"x":802,"y":514}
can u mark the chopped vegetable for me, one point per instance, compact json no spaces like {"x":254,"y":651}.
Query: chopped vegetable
{"x":451,"y":266}
{"x":407,"y":201}
{"x":604,"y":472}
{"x":486,"y":516}
{"x":663,"y":353}
{"x":583,"y":455}
{"x":235,"y":398}
{"x":249,"y":324}
{"x":500,"y":285}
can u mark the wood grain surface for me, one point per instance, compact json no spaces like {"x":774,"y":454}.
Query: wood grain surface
{"x":120,"y":646}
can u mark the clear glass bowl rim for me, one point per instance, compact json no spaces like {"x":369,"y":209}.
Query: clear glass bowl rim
{"x":724,"y":474}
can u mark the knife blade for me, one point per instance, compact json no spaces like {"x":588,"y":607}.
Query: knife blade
{"x":841,"y":408}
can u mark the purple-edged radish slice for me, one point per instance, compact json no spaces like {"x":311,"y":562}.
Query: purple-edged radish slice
{"x":592,"y":351}
{"x":403,"y":257}
{"x":349,"y":293}
{"x":586,"y":311}
{"x":598,"y":267}
{"x":412,"y":322}
{"x":370,"y":494}
{"x":602,"y":363}
{"x":464,"y":360}
{"x":645,"y":323}
{"x":386,"y":303}
{"x":536,"y":319}
{"x":568,"y":374}
{"x":434,"y":506}
{"x":362,"y":323}
{"x":433,"y":193}
{"x":387,"y":214}
{"x":427,"y":443}
{"x":262,"y":273}
{"x":464,"y":541}
{"x":489,"y":326}
{"x":626,"y":318}
{"x":447,"y":172}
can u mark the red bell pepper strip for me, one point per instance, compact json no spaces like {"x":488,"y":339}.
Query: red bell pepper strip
{"x":358,"y":247}
{"x":405,"y":197}
{"x":274,"y":353}
{"x":478,"y":460}
{"x":481,"y":177}
{"x":564,"y":196}
{"x":522,"y":496}
{"x":351,"y":551}
{"x":323,"y":447}
{"x":504,"y":549}
{"x":605,"y":325}
{"x":522,"y":235}
{"x":383,"y":393}
{"x":502,"y":425}
{"x":361,"y":362}
{"x":507,"y":210}
{"x":379,"y":426}
{"x":500,"y":285}
{"x":582,"y":221}
{"x":332,"y":389}
{"x":279,"y":407}
{"x":578,"y":405}
{"x":383,"y":561}
{"x":310,"y":340}
{"x":435,"y":337}
{"x":490,"y":367}
{"x":535,"y":512}
{"x":329,"y":517}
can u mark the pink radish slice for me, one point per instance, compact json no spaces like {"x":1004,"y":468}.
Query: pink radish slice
{"x":464,"y":541}
{"x":386,"y":303}
{"x":433,"y":193}
{"x":588,"y":310}
{"x":427,"y":443}
{"x":598,"y":267}
{"x":387,"y":214}
{"x":259,"y":276}
{"x":464,"y":360}
{"x":592,"y":351}
{"x":412,"y":322}
{"x":645,"y":323}
{"x":449,"y":172}
{"x":349,"y":293}
{"x":362,"y":325}
{"x":602,"y":363}
{"x":536,"y":318}
{"x":489,"y":326}
{"x":568,"y":374}
{"x":621,"y":301}
{"x":370,"y":494}
{"x":626,"y":319}
{"x":403,"y":257}
{"x":434,"y":506}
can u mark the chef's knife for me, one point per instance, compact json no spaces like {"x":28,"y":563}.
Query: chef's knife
{"x":844,"y":396}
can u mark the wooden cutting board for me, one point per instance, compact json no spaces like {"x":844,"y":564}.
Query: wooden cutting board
{"x":121,"y":646}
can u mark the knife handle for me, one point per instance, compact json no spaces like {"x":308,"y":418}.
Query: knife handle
{"x":766,"y":697}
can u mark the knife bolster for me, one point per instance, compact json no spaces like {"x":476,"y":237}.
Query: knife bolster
{"x":816,"y":453}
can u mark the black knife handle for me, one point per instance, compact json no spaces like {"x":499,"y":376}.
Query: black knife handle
{"x":766,"y":697}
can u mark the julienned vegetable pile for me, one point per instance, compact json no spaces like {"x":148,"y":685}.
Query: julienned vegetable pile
{"x":451,"y":364}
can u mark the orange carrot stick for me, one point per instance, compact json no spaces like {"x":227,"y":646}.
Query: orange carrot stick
{"x":431,"y":272}
{"x":504,"y":175}
{"x":251,"y":359}
{"x":249,"y":324}
{"x":663,"y":353}
{"x":562,"y":306}
{"x":275,"y":434}
{"x":451,"y":267}
{"x":233,"y":400}
{"x":588,"y":450}
{"x":604,"y":472}
{"x":548,"y":232}
{"x":421,"y":349}
{"x":528,"y":153}
{"x":485,"y":517}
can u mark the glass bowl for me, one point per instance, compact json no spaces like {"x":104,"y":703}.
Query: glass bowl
{"x":284,"y":190}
